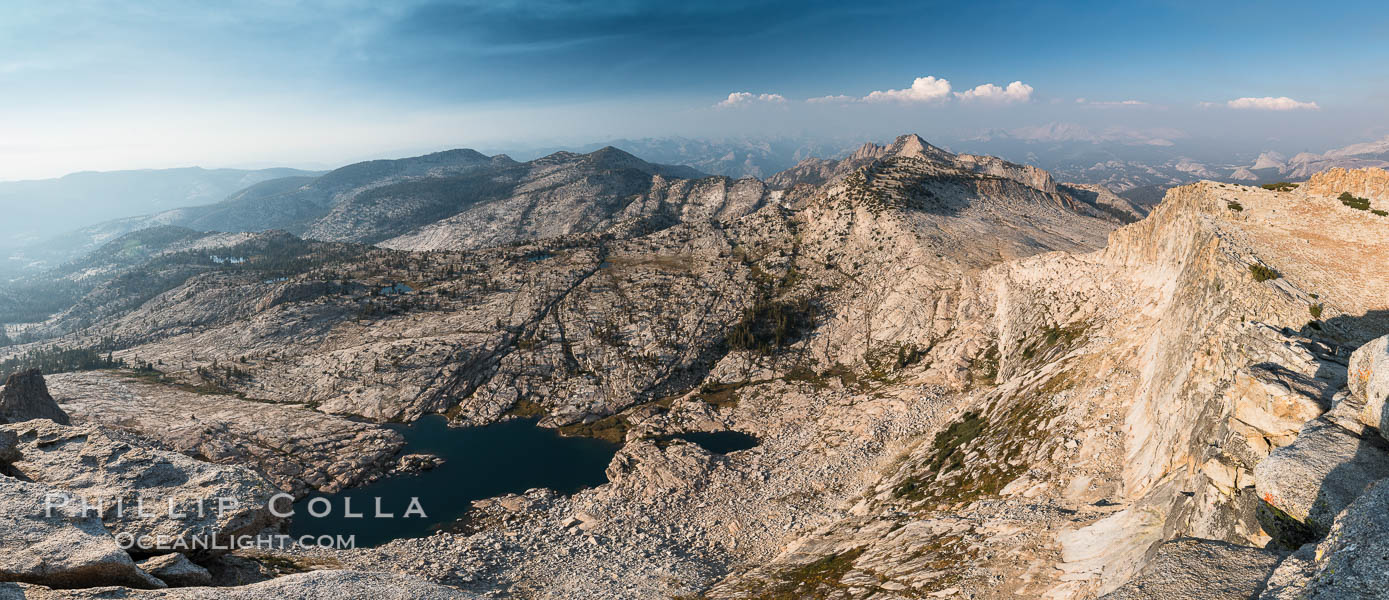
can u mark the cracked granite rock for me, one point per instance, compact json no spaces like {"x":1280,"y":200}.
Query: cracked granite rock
{"x":175,"y":500}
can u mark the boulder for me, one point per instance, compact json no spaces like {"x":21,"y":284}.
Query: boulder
{"x":1291,"y":577}
{"x":646,"y":469}
{"x":1197,"y":569}
{"x":25,"y":396}
{"x":9,"y":447}
{"x":57,"y":546}
{"x":162,"y":500}
{"x":1353,"y":561}
{"x":176,"y":570}
{"x":1273,"y":403}
{"x":1369,"y":382}
{"x":313,"y":585}
{"x":1307,"y":483}
{"x":417,"y":463}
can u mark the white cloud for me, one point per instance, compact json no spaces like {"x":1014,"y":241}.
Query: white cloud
{"x":933,"y":89}
{"x":1270,"y":103}
{"x":923,"y":89}
{"x":749,"y":98}
{"x":1015,"y":92}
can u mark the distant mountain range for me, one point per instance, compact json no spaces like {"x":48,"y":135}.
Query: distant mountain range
{"x":38,"y":209}
{"x":464,"y":198}
{"x":733,"y":157}
{"x":1304,"y":164}
{"x":1119,"y":158}
{"x":456,"y":198}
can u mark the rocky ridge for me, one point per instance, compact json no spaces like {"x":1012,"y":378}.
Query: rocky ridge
{"x":1112,"y":514}
{"x":966,"y":390}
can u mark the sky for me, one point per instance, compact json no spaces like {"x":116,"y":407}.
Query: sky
{"x":105,"y":86}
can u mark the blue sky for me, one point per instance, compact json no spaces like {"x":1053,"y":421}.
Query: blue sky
{"x":97,"y":85}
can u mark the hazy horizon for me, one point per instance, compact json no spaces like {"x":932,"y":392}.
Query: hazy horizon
{"x":321,"y":84}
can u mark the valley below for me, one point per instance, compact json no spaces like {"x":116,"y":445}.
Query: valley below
{"x":903,"y":373}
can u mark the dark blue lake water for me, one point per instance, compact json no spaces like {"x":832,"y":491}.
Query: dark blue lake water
{"x":480,"y":462}
{"x":719,"y":442}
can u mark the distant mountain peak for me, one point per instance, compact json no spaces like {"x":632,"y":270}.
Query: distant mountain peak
{"x":561,"y":156}
{"x":605,"y":157}
{"x":908,"y":145}
{"x":457,"y":154}
{"x":1270,"y":160}
{"x":611,"y":158}
{"x":911,"y":145}
{"x":611,"y":154}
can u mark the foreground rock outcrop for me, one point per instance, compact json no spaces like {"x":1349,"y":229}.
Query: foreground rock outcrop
{"x":1369,"y":383}
{"x":9,"y":448}
{"x":25,"y":396}
{"x":1353,"y":560}
{"x":1194,"y":569}
{"x":46,"y":541}
{"x":155,"y":499}
{"x":176,"y":570}
{"x":1317,"y":476}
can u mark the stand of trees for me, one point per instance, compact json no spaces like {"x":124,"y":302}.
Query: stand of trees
{"x":56,"y":359}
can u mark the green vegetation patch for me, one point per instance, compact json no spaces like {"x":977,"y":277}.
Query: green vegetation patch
{"x":289,"y":565}
{"x":858,"y":191}
{"x":812,"y":580}
{"x":945,"y":555}
{"x":949,"y":443}
{"x":721,"y":395}
{"x":1287,"y":532}
{"x":774,"y":321}
{"x":986,"y":366}
{"x":882,"y":362}
{"x":612,"y":428}
{"x":1316,"y":310}
{"x":203,"y":388}
{"x":1281,"y":186}
{"x":982,"y":452}
{"x":1233,"y":205}
{"x":846,"y":376}
{"x":1354,"y":202}
{"x":1263,"y":273}
{"x":527,"y":409}
{"x":1054,"y":340}
{"x":769,"y":326}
